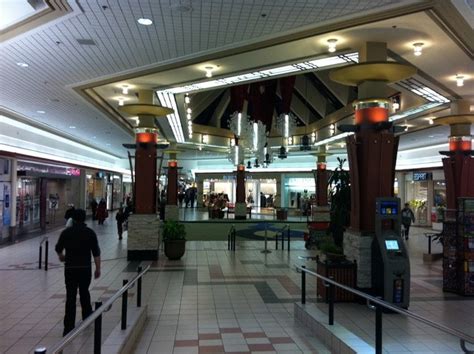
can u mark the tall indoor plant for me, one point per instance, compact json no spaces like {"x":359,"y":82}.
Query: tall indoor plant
{"x":340,"y":197}
{"x":174,"y":238}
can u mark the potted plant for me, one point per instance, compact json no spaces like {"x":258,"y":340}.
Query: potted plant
{"x":174,"y":238}
{"x":340,"y":197}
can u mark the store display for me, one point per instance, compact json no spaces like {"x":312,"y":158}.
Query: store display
{"x":458,"y":250}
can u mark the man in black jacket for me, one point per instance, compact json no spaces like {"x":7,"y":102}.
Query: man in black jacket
{"x":80,"y":242}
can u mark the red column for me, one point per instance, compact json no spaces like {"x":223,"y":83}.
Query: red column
{"x":372,"y":157}
{"x":172,"y":189}
{"x":145,"y":173}
{"x":458,"y":171}
{"x":240,"y":187}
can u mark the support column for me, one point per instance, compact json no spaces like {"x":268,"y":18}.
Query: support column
{"x":13,"y":196}
{"x":143,"y":224}
{"x":240,"y":203}
{"x":458,"y":164}
{"x":172,"y":210}
{"x":372,"y":150}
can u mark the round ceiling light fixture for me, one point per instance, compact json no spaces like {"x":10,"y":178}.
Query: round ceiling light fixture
{"x":459,"y":80}
{"x":332,"y":45}
{"x":41,"y":112}
{"x":145,"y":21}
{"x":418,"y":48}
{"x":125,"y":89}
{"x":23,"y":65}
{"x":209,"y":69}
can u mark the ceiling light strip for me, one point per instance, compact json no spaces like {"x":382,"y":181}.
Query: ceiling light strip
{"x":174,"y":119}
{"x":256,"y":75}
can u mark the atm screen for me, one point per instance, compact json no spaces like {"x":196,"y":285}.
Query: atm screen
{"x":389,"y":207}
{"x":392,"y":245}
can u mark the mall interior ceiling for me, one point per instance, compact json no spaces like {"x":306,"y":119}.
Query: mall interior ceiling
{"x":66,"y":67}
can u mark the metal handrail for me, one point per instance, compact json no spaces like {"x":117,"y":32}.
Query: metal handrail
{"x":98,"y":312}
{"x":462,"y":336}
{"x":46,"y":250}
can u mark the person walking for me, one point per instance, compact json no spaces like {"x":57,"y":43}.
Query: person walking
{"x":120,"y":218}
{"x":68,"y":215}
{"x":78,"y":242}
{"x":407,"y":218}
{"x":102,"y":212}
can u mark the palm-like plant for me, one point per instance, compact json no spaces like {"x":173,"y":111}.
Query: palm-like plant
{"x":340,"y":196}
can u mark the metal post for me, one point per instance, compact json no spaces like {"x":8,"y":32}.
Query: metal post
{"x":41,"y":350}
{"x":46,"y":248}
{"x":429,"y":244}
{"x":40,"y":256}
{"x":124,"y":306}
{"x":233,"y":238}
{"x":266,"y":250}
{"x":139,"y":288}
{"x":288,"y":238}
{"x":228,"y":241}
{"x":331,"y":303}
{"x":282,"y":240}
{"x":276,"y":241}
{"x":378,"y":329}
{"x":303,"y":285}
{"x":98,"y":330}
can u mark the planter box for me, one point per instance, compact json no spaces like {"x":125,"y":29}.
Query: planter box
{"x":344,"y":272}
{"x":282,"y":214}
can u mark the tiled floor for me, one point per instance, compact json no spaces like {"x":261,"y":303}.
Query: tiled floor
{"x":214,"y":300}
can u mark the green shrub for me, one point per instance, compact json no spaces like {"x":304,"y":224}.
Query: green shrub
{"x":173,"y":230}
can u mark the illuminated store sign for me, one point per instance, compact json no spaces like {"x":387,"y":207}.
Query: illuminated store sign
{"x":422,"y":176}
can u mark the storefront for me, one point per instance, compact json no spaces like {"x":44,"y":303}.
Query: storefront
{"x":104,"y":185}
{"x":425,"y":191}
{"x":297,"y":188}
{"x":5,"y":198}
{"x":43,"y":195}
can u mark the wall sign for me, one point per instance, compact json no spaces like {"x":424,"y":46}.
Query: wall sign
{"x":422,"y":176}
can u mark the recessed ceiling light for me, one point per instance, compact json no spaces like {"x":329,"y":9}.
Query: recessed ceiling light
{"x":418,"y":48}
{"x":125,"y":89}
{"x":431,"y":121}
{"x":209,"y":69}
{"x":72,"y":127}
{"x":23,"y":65}
{"x":459,"y":80}
{"x":121,"y":101}
{"x":332,"y":45}
{"x":41,"y":112}
{"x":145,"y":21}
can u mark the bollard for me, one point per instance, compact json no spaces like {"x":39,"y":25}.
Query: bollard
{"x":266,"y":250}
{"x":331,"y":303}
{"x":303,"y":285}
{"x":378,"y":329}
{"x":139,"y":288}
{"x":429,"y":244}
{"x":98,"y":330}
{"x":288,"y":238}
{"x":40,"y":255}
{"x":124,"y":306}
{"x":46,"y":248}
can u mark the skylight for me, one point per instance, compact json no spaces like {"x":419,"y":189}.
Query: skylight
{"x":14,"y":11}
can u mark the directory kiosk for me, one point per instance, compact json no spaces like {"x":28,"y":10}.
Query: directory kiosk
{"x":390,"y":260}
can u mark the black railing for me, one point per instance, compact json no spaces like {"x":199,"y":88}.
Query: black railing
{"x":281,"y":235}
{"x":46,"y":250}
{"x":96,"y":316}
{"x":378,"y":305}
{"x":231,"y":239}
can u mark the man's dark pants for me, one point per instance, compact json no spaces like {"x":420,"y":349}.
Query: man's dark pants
{"x":77,"y":278}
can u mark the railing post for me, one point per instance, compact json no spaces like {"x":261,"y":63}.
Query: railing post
{"x":46,"y":249}
{"x":429,"y":244}
{"x":288,"y":237}
{"x":229,"y":235}
{"x":378,"y":329}
{"x":276,"y":241}
{"x":40,"y":255}
{"x":303,"y":285}
{"x":124,"y":306}
{"x":233,"y":237}
{"x":41,"y":350}
{"x":98,"y":330}
{"x":139,"y":288}
{"x":282,"y":240}
{"x":331,"y":302}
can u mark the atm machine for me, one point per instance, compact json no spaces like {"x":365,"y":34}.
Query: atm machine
{"x":390,"y":260}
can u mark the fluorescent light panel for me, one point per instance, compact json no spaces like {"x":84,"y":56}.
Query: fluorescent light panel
{"x":167,"y":100}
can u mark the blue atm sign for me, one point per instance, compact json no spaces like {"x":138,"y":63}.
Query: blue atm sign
{"x":422,"y":176}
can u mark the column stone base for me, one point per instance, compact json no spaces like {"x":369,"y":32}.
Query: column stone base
{"x":240,"y":211}
{"x":358,"y":247}
{"x":171,"y":212}
{"x":143,"y":237}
